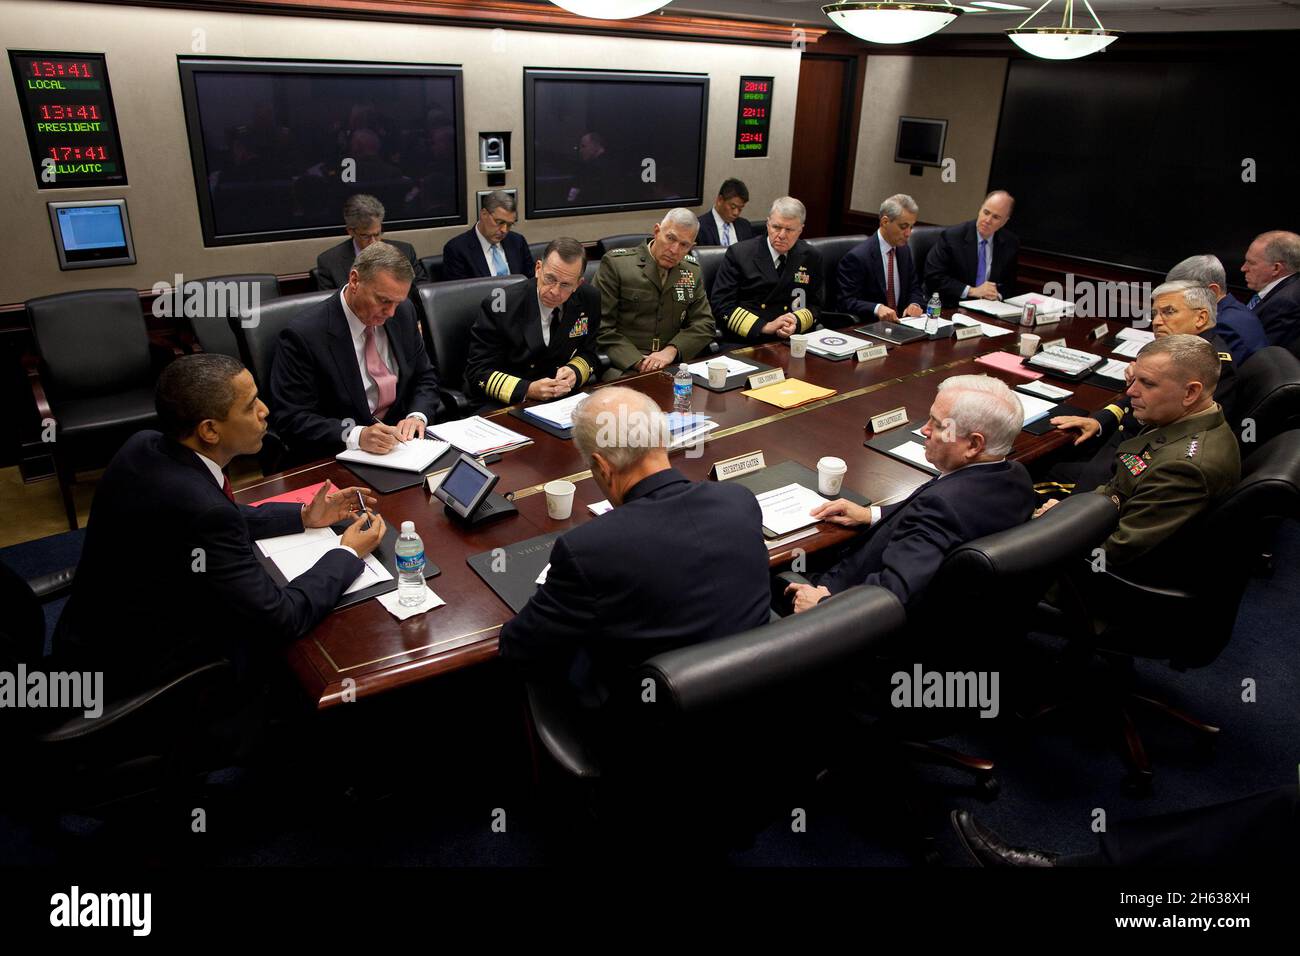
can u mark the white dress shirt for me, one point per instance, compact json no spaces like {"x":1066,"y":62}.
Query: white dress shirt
{"x":898,"y":282}
{"x":546,"y":321}
{"x":1263,"y":293}
{"x":774,"y":254}
{"x":358,"y":330}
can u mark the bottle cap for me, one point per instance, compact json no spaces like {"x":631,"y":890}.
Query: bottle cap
{"x":408,"y":527}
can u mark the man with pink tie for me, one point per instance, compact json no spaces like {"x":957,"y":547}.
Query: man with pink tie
{"x":353,"y":372}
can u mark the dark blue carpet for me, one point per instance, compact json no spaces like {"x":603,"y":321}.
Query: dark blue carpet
{"x":1055,"y":775}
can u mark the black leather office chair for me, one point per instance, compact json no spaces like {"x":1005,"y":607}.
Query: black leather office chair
{"x":710,"y":258}
{"x":95,"y":377}
{"x":1106,"y":614}
{"x":589,"y":273}
{"x":314,"y":273}
{"x":714,"y":708}
{"x":760,"y":226}
{"x":1268,"y":395}
{"x":921,"y":242}
{"x":433,"y":266}
{"x":450,"y":309}
{"x":258,"y":337}
{"x":625,"y":241}
{"x":71,"y":761}
{"x":832,"y":249}
{"x":222,"y":297}
{"x":537,"y":248}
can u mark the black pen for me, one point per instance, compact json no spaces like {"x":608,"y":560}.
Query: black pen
{"x":361,"y":503}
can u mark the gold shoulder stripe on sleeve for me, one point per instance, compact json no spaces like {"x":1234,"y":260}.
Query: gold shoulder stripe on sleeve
{"x":1225,"y":356}
{"x":741,"y":321}
{"x":805,"y":318}
{"x":1116,"y":411}
{"x":581,"y":366}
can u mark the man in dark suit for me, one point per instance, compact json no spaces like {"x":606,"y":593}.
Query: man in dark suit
{"x":364,"y":217}
{"x":976,"y":259}
{"x":722,"y":225}
{"x":876,"y":277}
{"x":353,"y":372}
{"x":675,"y":563}
{"x":1272,"y":270}
{"x":973,"y":422}
{"x":1236,"y":325}
{"x":164,"y":519}
{"x":770,"y":287}
{"x":490,"y":248}
{"x":539,"y":342}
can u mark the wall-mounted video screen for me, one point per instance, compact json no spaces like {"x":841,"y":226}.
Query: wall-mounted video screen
{"x":608,"y":141}
{"x":278,"y":145}
{"x":920,"y":141}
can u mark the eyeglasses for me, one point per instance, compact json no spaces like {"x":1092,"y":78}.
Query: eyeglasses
{"x":369,"y":236}
{"x":549,"y":281}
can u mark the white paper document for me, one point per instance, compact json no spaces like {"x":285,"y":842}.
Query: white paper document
{"x":294,"y":554}
{"x":993,"y":307}
{"x":990,"y":331}
{"x":918,"y":322}
{"x":600,"y":507}
{"x":915,"y":453}
{"x":1043,"y":390}
{"x":1129,"y":348}
{"x":787,"y":508}
{"x":558,"y":414}
{"x":414,"y":455}
{"x":1034,"y":408}
{"x":1045,"y":304}
{"x":734,"y":367}
{"x":836,"y":343}
{"x":541,"y":578}
{"x":1067,"y":361}
{"x":685,"y":429}
{"x":478,"y":436}
{"x":1140,"y":335}
{"x":1113,"y":369}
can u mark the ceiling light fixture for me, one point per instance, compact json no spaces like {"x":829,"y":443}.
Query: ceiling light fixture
{"x":611,"y":9}
{"x":1066,"y":42}
{"x":891,"y":22}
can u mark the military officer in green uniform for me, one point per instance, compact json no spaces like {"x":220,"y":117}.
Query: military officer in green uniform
{"x":1181,"y":464}
{"x":652,"y":302}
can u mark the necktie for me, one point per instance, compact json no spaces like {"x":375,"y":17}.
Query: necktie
{"x":982,"y":269}
{"x":385,"y":380}
{"x":226,"y":489}
{"x":780,"y":264}
{"x":551,"y":326}
{"x":499,"y":267}
{"x":726,"y":234}
{"x":890,"y":301}
{"x":1254,"y":301}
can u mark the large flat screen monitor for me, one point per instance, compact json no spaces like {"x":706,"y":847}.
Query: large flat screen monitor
{"x":278,"y":145}
{"x":920,"y":141}
{"x":606,"y":141}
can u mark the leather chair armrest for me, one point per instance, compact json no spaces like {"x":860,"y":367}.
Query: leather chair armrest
{"x":140,"y":705}
{"x":557,"y":719}
{"x":455,"y":404}
{"x":53,"y":585}
{"x":39,"y":396}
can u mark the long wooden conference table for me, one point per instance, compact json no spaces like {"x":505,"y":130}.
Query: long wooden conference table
{"x":363,"y":650}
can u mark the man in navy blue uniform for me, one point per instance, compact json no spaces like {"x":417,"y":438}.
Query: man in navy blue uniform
{"x":164,"y":513}
{"x":675,"y":563}
{"x":722,"y":225}
{"x":490,"y":248}
{"x":1237,"y":326}
{"x":976,"y":259}
{"x":973,"y":422}
{"x":1272,"y":271}
{"x":353,"y":371}
{"x":877,"y":278}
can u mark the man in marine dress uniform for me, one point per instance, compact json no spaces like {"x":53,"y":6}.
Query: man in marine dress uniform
{"x":654,"y":311}
{"x":771,"y":286}
{"x":1180,"y":465}
{"x":541,"y":343}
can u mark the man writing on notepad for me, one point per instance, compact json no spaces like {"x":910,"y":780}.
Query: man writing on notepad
{"x":169,"y":577}
{"x":353,"y":371}
{"x":973,"y":422}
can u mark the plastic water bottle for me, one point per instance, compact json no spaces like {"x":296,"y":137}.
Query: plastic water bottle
{"x":933,"y":312}
{"x":410,"y":567}
{"x":683,"y":386}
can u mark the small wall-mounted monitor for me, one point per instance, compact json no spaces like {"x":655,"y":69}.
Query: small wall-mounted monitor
{"x":92,"y":233}
{"x":920,"y":141}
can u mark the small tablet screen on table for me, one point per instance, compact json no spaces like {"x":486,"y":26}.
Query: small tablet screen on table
{"x":465,"y":485}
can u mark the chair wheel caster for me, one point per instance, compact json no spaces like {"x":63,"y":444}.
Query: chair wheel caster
{"x":987,"y":789}
{"x":1137,"y":784}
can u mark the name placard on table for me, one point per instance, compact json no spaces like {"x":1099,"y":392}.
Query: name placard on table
{"x":872,"y":352}
{"x":739,"y":465}
{"x":967,"y":332}
{"x":759,"y":379}
{"x":890,"y":419}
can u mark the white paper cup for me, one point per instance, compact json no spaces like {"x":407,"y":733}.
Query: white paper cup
{"x":717,"y":373}
{"x":1029,"y":343}
{"x":798,"y":345}
{"x":559,"y":499}
{"x":830,"y":475}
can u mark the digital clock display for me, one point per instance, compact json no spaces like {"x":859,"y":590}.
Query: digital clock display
{"x":753,"y":116}
{"x":67,"y":108}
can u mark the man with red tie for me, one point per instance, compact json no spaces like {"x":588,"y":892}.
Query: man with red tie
{"x":353,"y":372}
{"x":169,"y":578}
{"x":877,"y":278}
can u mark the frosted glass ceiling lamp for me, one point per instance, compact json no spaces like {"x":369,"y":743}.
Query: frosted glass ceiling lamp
{"x":891,"y":22}
{"x":611,"y":9}
{"x":1066,"y":42}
